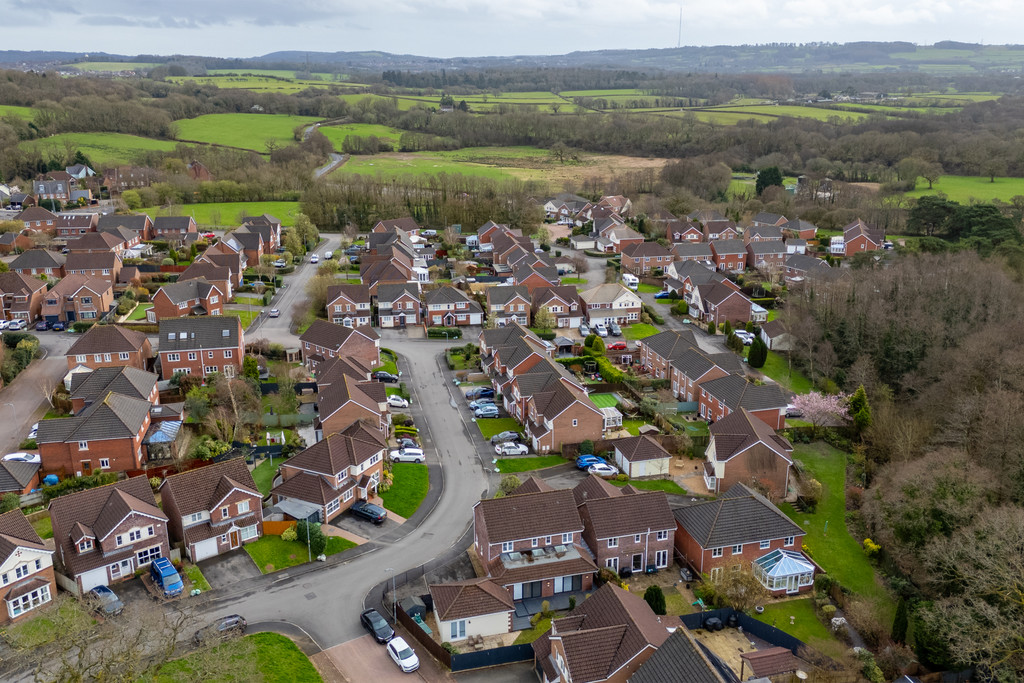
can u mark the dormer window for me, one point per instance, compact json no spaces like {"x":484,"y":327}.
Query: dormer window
{"x":85,"y":545}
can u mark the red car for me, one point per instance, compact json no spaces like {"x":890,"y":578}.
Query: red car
{"x":208,"y":235}
{"x":617,"y":346}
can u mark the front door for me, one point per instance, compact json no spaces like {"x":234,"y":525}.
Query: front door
{"x":234,"y":539}
{"x":792,"y":584}
{"x":120,"y":570}
{"x":638,"y":562}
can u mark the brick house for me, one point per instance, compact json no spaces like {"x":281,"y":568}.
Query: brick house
{"x":267,"y":225}
{"x":743,"y":449}
{"x":37,"y":218}
{"x":213,"y":509}
{"x":104,"y":346}
{"x":49,"y":188}
{"x":765,"y":219}
{"x":762,"y":233}
{"x":611,"y":303}
{"x":324,"y":480}
{"x":22,"y":296}
{"x":615,"y":238}
{"x":677,"y":356}
{"x":103,"y":535}
{"x":121,"y":178}
{"x":644,"y":258}
{"x":218,"y":276}
{"x":173,"y":228}
{"x":535,"y":276}
{"x":39,"y":262}
{"x":201,"y":346}
{"x":740,"y":528}
{"x":343,"y":399}
{"x":564,"y":303}
{"x":642,"y":456}
{"x":104,"y":265}
{"x":324,"y":340}
{"x":693,"y":251}
{"x":100,"y":242}
{"x":626,"y":529}
{"x":349,"y":305}
{"x":398,"y":305}
{"x":719,"y":302}
{"x":18,"y":477}
{"x":407,"y":223}
{"x":190,"y":298}
{"x":471,"y":608}
{"x":720,"y":230}
{"x":450,"y":307}
{"x":857,"y":237}
{"x":89,"y":387}
{"x":729,"y":255}
{"x":767,"y":256}
{"x":77,"y":297}
{"x":681,"y":656}
{"x":381,"y":273}
{"x":800,"y":229}
{"x":506,"y":303}
{"x":252,"y":244}
{"x":197,"y":170}
{"x":141,"y":224}
{"x":11,"y":242}
{"x":26,"y":568}
{"x":678,"y":231}
{"x":234,"y":261}
{"x":73,"y":225}
{"x":128,"y":239}
{"x":560,"y":413}
{"x":725,"y":395}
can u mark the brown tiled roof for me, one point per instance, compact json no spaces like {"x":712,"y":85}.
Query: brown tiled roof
{"x":70,"y":284}
{"x":209,"y":271}
{"x":358,"y":294}
{"x":127,"y":380}
{"x":311,"y":488}
{"x":339,"y":451}
{"x":637,"y":448}
{"x":95,"y":241}
{"x":772,"y":662}
{"x":531,"y":515}
{"x":16,"y":531}
{"x":629,"y":514}
{"x":107,"y":339}
{"x":642,"y":249}
{"x":35,"y":213}
{"x":16,"y":475}
{"x":97,"y":260}
{"x":578,"y":564}
{"x":467,"y":599}
{"x":201,"y":532}
{"x":333,"y":369}
{"x":342,"y":390}
{"x":114,"y":416}
{"x":740,"y":430}
{"x":332,"y":336}
{"x":21,"y":589}
{"x":532,"y":484}
{"x":740,"y":515}
{"x":202,"y":488}
{"x":594,"y":488}
{"x":136,"y":222}
{"x":408,"y":223}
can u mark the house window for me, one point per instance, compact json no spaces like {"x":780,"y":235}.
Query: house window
{"x":567,"y":538}
{"x":716,"y":552}
{"x":209,"y":369}
{"x":149,"y":530}
{"x":661,"y":558}
{"x":124,"y":355}
{"x":79,"y":359}
{"x":765,"y":545}
{"x":575,"y":423}
{"x":83,"y":445}
{"x":243,"y":507}
{"x":662,"y":536}
{"x":134,"y":535}
{"x":790,"y":540}
{"x":507,"y":546}
{"x":458,"y":629}
{"x":104,"y":463}
{"x":173,"y":357}
{"x":333,"y":506}
{"x":195,"y":517}
{"x":87,"y":301}
{"x":98,"y":357}
{"x":612,"y":563}
{"x":737,"y":549}
{"x":30,"y":601}
{"x":183,"y":305}
{"x":192,"y":355}
{"x":21,"y":571}
{"x":716,"y":574}
{"x":83,"y":545}
{"x":225,"y":511}
{"x":534,"y":542}
{"x":209,"y":354}
{"x":613,"y":543}
{"x":148,"y":555}
{"x":227,"y":354}
{"x":636,"y":538}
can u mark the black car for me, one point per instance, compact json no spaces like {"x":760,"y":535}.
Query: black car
{"x":480,"y":392}
{"x":222,"y":628}
{"x":373,"y":622}
{"x":59,"y":326}
{"x":382,"y":376}
{"x":43,"y":325}
{"x":406,"y":442}
{"x":374,"y":513}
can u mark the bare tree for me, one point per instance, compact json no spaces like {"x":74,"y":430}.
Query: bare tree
{"x":740,"y":589}
{"x":581,"y":263}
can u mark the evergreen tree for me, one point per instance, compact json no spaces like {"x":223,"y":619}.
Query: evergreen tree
{"x":860,"y":410}
{"x":758,"y":353}
{"x":712,"y":327}
{"x":900,"y":622}
{"x":727,"y":328}
{"x":767,"y":177}
{"x":655,"y":597}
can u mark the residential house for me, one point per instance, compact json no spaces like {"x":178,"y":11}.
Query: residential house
{"x":450,"y":307}
{"x":802,"y":267}
{"x":398,"y":305}
{"x":693,"y":251}
{"x":767,"y":256}
{"x":79,"y":172}
{"x":349,"y":305}
{"x":26,"y":568}
{"x":173,"y":228}
{"x":612,"y":239}
{"x":646,"y":258}
{"x":765,"y":219}
{"x":126,"y":239}
{"x":324,"y":480}
{"x":564,"y":206}
{"x":97,"y":242}
{"x":323,"y":340}
{"x":623,"y":206}
{"x":267,"y":227}
{"x":762,"y":233}
{"x":201,"y":346}
{"x":72,"y":225}
{"x":18,"y":477}
{"x":486,"y":233}
{"x":103,"y":535}
{"x":234,"y":261}
{"x":800,"y":229}
{"x":123,"y":178}
{"x":471,"y":608}
{"x":642,"y":456}
{"x":561,"y":412}
{"x":11,"y":242}
{"x":857,"y":237}
{"x":562,"y":301}
{"x":776,"y":337}
{"x":197,"y":170}
{"x":382,"y":273}
{"x":509,"y":303}
{"x":743,"y":449}
{"x":678,"y":357}
{"x":717,"y":302}
{"x":77,"y":297}
{"x":535,"y":276}
{"x":729,"y":255}
{"x":741,"y":528}
{"x":218,"y":276}
{"x":627,"y":530}
{"x":607,"y":637}
{"x":720,"y":230}
{"x":189,"y":298}
{"x":47,"y":188}
{"x":611,"y":303}
{"x":214,"y":509}
{"x":725,"y":395}
{"x":252,"y":244}
{"x":110,"y":346}
{"x":39,"y":262}
{"x":22,"y":296}
{"x":343,"y":399}
{"x":102,"y":266}
{"x":407,"y":223}
{"x":89,"y":387}
{"x":38,"y":219}
{"x":506,"y":242}
{"x":677,"y":231}
{"x":680,"y":658}
{"x":141,"y":224}
{"x":796,"y":246}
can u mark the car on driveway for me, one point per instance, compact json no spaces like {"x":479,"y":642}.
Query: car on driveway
{"x":33,"y":432}
{"x":585,"y":461}
{"x":328,"y":255}
{"x":209,"y":235}
{"x":397,"y":402}
{"x":584,"y":329}
{"x":480,"y":392}
{"x":314,"y":259}
{"x":42,"y":326}
{"x":280,"y":263}
{"x":665,"y":294}
{"x":406,"y":442}
{"x":480,"y":403}
{"x":376,"y":624}
{"x":105,"y":601}
{"x":4,"y":324}
{"x":509,"y":448}
{"x":603,"y":470}
{"x":16,"y":325}
{"x":403,"y":655}
{"x":166,"y":578}
{"x":59,"y":326}
{"x":791,"y":411}
{"x":614,"y":328}
{"x":486,"y":411}
{"x":354,"y":250}
{"x":374,"y":513}
{"x":22,"y":457}
{"x":407,"y":455}
{"x":383,"y":376}
{"x":600,"y":330}
{"x":617,"y":346}
{"x":502,"y":437}
{"x":224,"y":627}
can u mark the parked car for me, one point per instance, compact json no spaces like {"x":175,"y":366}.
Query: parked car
{"x":614,"y":328}
{"x":397,"y":402}
{"x":59,"y":326}
{"x":222,"y":628}
{"x":480,"y":392}
{"x":603,"y":470}
{"x":600,"y":330}
{"x":328,"y":255}
{"x":105,"y":601}
{"x":585,"y":461}
{"x":22,"y":457}
{"x":32,"y":433}
{"x":480,"y":403}
{"x":428,"y":233}
{"x":354,"y":250}
{"x":502,"y":437}
{"x":384,"y":376}
{"x":510,"y":448}
{"x":376,"y":624}
{"x":407,"y":455}
{"x":791,"y":411}
{"x":617,"y":346}
{"x":4,"y":324}
{"x":42,"y":326}
{"x":165,"y":576}
{"x":374,"y":513}
{"x":403,"y":655}
{"x":280,"y":263}
{"x":15,"y":325}
{"x":209,"y":235}
{"x":666,"y":294}
{"x":584,"y":329}
{"x":486,"y":411}
{"x":406,"y":442}
{"x":275,"y":313}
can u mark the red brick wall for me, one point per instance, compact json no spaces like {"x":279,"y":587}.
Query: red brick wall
{"x":858,"y":244}
{"x":44,"y":573}
{"x":136,"y":359}
{"x":346,"y":415}
{"x":65,"y":458}
{"x":202,"y":360}
{"x":688,"y":388}
{"x":760,"y":465}
{"x":734,"y":309}
{"x":703,"y":562}
{"x":163,"y":308}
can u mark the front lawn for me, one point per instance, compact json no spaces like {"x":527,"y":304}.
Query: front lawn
{"x":645,"y":288}
{"x":574,"y":281}
{"x":777,"y":367}
{"x":489,"y":426}
{"x":139,"y":312}
{"x":47,"y":625}
{"x":264,"y":474}
{"x":666,"y":485}
{"x":43,"y":527}
{"x":337,"y":544}
{"x":278,"y":660}
{"x":195,"y":575}
{"x":245,"y":315}
{"x":389,"y":363}
{"x":272,"y":554}
{"x":806,"y":626}
{"x":639,"y":330}
{"x":509,"y":465}
{"x":531,"y":634}
{"x":408,"y":489}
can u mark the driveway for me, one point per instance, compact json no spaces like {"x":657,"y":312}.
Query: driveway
{"x":364,"y":659}
{"x":708,"y":343}
{"x":364,"y":527}
{"x":228,"y":568}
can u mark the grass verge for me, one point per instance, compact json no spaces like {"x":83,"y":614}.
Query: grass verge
{"x":666,"y":485}
{"x":777,"y":367}
{"x":246,"y":315}
{"x":139,"y":312}
{"x":277,"y":660}
{"x":408,"y":490}
{"x":512,"y":465}
{"x":389,"y":363}
{"x":495,"y":425}
{"x":272,"y":553}
{"x":639,"y":330}
{"x":195,"y":575}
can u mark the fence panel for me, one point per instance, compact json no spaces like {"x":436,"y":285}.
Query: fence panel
{"x":439,"y":653}
{"x":272,"y":528}
{"x":464,"y":661}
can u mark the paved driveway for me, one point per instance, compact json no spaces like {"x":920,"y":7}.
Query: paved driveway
{"x":26,"y":394}
{"x":364,"y":659}
{"x":364,"y":527}
{"x":228,"y":568}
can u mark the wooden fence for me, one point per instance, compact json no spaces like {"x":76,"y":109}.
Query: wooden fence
{"x":271,"y":528}
{"x":442,"y":655}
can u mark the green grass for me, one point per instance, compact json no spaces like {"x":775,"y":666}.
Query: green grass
{"x":539,"y":462}
{"x":645,"y":288}
{"x":666,"y":485}
{"x":21,"y":112}
{"x":777,"y":367}
{"x":272,"y":554}
{"x":965,"y":188}
{"x":337,"y":134}
{"x":229,"y":214}
{"x":793,"y":111}
{"x":103,"y":149}
{"x":573,"y":281}
{"x":490,"y":426}
{"x":676,"y":603}
{"x":389,"y":363}
{"x":337,"y":544}
{"x":633,"y":426}
{"x":604,"y":400}
{"x":639,"y":330}
{"x":531,"y":634}
{"x":417,"y":164}
{"x":806,"y":626}
{"x":245,"y":131}
{"x":45,"y":626}
{"x":246,"y":315}
{"x":112,"y":66}
{"x":43,"y":527}
{"x":264,"y":475}
{"x":195,"y":575}
{"x":139,"y":312}
{"x":278,"y":660}
{"x":458,"y":360}
{"x":408,"y":490}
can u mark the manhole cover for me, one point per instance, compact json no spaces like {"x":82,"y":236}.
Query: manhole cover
{"x":311,"y":596}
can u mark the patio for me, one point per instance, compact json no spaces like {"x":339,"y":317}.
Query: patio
{"x":526,"y":608}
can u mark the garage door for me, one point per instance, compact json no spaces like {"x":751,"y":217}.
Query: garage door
{"x":204,"y":549}
{"x":91,"y":579}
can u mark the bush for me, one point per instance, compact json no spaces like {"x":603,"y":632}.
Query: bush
{"x":598,"y":345}
{"x":655,"y":597}
{"x":28,"y":445}
{"x":655,"y":316}
{"x":758,"y":353}
{"x":444,"y":332}
{"x":9,"y":501}
{"x":586,"y":447}
{"x":828,"y":611}
{"x":712,"y":327}
{"x":681,"y":308}
{"x":454,"y":650}
{"x":167,"y":262}
{"x":311,"y":534}
{"x":75,"y":484}
{"x":605,"y":575}
{"x":589,"y":341}
{"x":290,"y":534}
{"x":154,"y":482}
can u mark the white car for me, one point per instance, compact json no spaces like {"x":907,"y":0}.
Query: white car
{"x":280,"y":263}
{"x":4,"y":324}
{"x":17,"y":325}
{"x":314,"y":259}
{"x":403,"y":655}
{"x":600,"y":330}
{"x":603,"y":470}
{"x":509,"y":448}
{"x":22,"y":457}
{"x":407,"y":455}
{"x":33,"y":432}
{"x":328,"y":255}
{"x":397,"y":402}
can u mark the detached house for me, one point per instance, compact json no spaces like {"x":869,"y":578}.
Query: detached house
{"x":743,"y":449}
{"x":644,"y":258}
{"x":72,"y":225}
{"x":800,"y":229}
{"x":101,"y":242}
{"x":615,"y":238}
{"x":611,"y":303}
{"x":343,"y":399}
{"x":105,"y":346}
{"x":450,"y":307}
{"x":720,"y":230}
{"x":349,"y":305}
{"x":103,"y":535}
{"x":104,"y":265}
{"x":563,"y":302}
{"x":535,"y":275}
{"x":398,"y":305}
{"x":767,"y":256}
{"x":725,"y":395}
{"x":39,"y":262}
{"x":324,"y":480}
{"x":857,"y":237}
{"x":26,"y":568}
{"x":37,"y":218}
{"x":213,"y":509}
{"x":677,"y":231}
{"x":22,"y":296}
{"x":324,"y":340}
{"x":89,"y":387}
{"x":77,"y":297}
{"x":472,"y":608}
{"x":201,"y":346}
{"x":509,"y":303}
{"x":729,"y":255}
{"x":189,"y":298}
{"x":678,"y":357}
{"x":765,"y":219}
{"x":218,"y":276}
{"x":173,"y":228}
{"x":141,"y":224}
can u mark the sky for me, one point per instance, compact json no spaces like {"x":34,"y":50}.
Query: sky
{"x":473,"y":28}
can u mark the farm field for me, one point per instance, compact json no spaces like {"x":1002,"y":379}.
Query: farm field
{"x":894,"y":107}
{"x":245,"y":131}
{"x":112,"y":66}
{"x":252,"y":82}
{"x":22,"y":112}
{"x":278,"y":73}
{"x":791,"y":111}
{"x":624,"y":92}
{"x":227,"y":214}
{"x":964,"y":188}
{"x":103,"y":149}
{"x":403,"y":104}
{"x":337,"y":134}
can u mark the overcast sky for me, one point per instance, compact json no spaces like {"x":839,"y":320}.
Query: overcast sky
{"x":452,"y":28}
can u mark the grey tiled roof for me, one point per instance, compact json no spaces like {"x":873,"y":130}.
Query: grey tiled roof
{"x":501,"y":295}
{"x":692,"y":249}
{"x":728,"y":247}
{"x":128,"y":380}
{"x":115,"y":416}
{"x":98,"y":260}
{"x":15,"y":475}
{"x":390,"y":293}
{"x":333,"y":336}
{"x":180,"y":223}
{"x":645,"y":249}
{"x":637,"y":448}
{"x":95,"y":241}
{"x":767,"y":247}
{"x":37,"y":258}
{"x":769,"y":218}
{"x":626,"y":515}
{"x":206,"y":332}
{"x":740,"y":515}
{"x":671,"y":343}
{"x":736,"y":392}
{"x":135,"y":222}
{"x":198,"y":288}
{"x":805,"y":263}
{"x":679,"y":659}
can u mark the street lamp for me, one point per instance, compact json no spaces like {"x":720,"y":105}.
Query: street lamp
{"x":394,"y":596}
{"x":15,"y":410}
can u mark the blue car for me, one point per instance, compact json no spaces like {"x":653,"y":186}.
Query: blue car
{"x":486,"y":411}
{"x":165,"y":576}
{"x":59,"y":326}
{"x":480,"y":392}
{"x":585,"y":461}
{"x":663,"y":295}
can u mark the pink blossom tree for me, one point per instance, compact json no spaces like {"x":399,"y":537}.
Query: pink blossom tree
{"x":820,"y":409}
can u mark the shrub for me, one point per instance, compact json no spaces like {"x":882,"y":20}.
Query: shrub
{"x":654,"y":315}
{"x":655,"y":597}
{"x":290,"y":534}
{"x":154,"y":482}
{"x":622,"y":477}
{"x":604,"y":575}
{"x":681,"y":308}
{"x":9,"y":501}
{"x":444,"y":332}
{"x":167,"y":262}
{"x":758,"y":353}
{"x":572,"y":602}
{"x":727,"y":328}
{"x":598,"y":345}
{"x":712,"y":327}
{"x":454,"y":650}
{"x":75,"y":484}
{"x":589,"y":341}
{"x":828,"y":611}
{"x":586,"y":447}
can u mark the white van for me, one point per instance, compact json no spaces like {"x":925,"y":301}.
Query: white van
{"x":631,"y":281}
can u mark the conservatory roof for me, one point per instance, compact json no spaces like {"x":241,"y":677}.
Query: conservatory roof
{"x":781,"y":562}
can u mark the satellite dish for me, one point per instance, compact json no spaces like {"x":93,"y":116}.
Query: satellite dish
{"x":802,"y":675}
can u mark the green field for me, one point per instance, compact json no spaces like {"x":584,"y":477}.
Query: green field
{"x":228,"y":214}
{"x":604,"y":400}
{"x":256,"y":83}
{"x":792,"y":112}
{"x":112,"y":66}
{"x":279,"y":73}
{"x":103,"y":149}
{"x":420,"y":163}
{"x":245,"y":131}
{"x":963,"y":189}
{"x":639,"y":330}
{"x":278,"y":660}
{"x":337,"y":134}
{"x":22,"y":112}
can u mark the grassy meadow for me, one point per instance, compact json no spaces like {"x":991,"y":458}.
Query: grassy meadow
{"x":227,"y":214}
{"x":112,"y":66}
{"x":21,"y":112}
{"x":103,"y":149}
{"x":245,"y":131}
{"x":337,"y":134}
{"x":963,"y":189}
